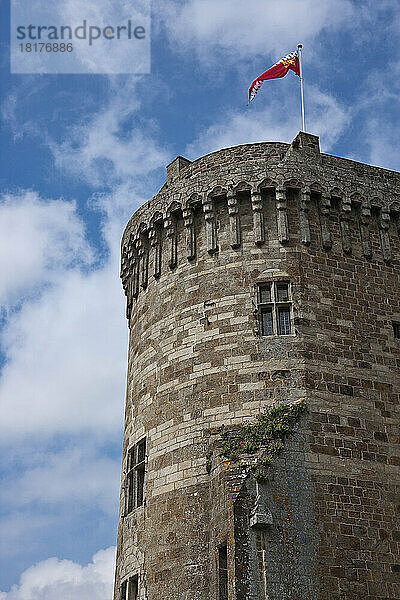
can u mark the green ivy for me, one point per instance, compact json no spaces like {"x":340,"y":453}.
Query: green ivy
{"x":209,"y":456}
{"x":267,"y":433}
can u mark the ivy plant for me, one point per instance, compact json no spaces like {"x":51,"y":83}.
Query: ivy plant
{"x":264,"y":437}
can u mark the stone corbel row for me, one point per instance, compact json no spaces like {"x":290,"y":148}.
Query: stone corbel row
{"x":130,"y":274}
{"x":235,"y":236}
{"x":345,"y":212}
{"x":138,"y":250}
{"x":365,"y":219}
{"x":135,"y":255}
{"x":234,"y":218}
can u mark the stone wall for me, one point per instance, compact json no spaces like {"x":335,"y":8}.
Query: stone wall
{"x":191,"y":259}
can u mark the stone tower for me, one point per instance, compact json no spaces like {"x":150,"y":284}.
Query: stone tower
{"x":258,"y":276}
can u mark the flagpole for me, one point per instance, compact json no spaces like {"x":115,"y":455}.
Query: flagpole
{"x":299,"y":47}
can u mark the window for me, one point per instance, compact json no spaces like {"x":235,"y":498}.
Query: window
{"x":396,"y":330}
{"x":223,"y":572}
{"x":130,"y":588}
{"x":133,"y":588}
{"x":135,"y":476}
{"x":130,"y":481}
{"x":124,"y":587}
{"x":274,"y":307}
{"x":140,"y":470}
{"x":282,"y":292}
{"x":264,"y":292}
{"x":267,"y":321}
{"x":284,"y":321}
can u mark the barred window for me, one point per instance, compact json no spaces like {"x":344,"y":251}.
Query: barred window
{"x":396,"y":330}
{"x":274,"y":307}
{"x":135,"y":476}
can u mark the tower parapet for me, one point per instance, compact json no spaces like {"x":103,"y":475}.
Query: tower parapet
{"x":259,"y":275}
{"x":337,"y":190}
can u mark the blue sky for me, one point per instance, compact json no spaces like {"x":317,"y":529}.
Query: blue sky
{"x":79,"y":154}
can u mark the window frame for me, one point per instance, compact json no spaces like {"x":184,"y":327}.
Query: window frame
{"x":129,"y":589}
{"x":123,"y":589}
{"x":130,"y":480}
{"x":269,"y":302}
{"x":135,"y":476}
{"x":140,"y":468}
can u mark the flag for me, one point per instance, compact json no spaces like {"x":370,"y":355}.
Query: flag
{"x":279,"y":69}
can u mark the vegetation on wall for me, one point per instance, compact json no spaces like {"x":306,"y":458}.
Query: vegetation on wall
{"x":266,"y":436}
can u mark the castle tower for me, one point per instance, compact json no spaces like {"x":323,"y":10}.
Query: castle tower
{"x":263,"y":278}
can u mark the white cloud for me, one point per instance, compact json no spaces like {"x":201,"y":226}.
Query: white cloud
{"x":9,"y":110}
{"x":112,"y":147}
{"x":100,"y":55}
{"x":244,"y":29}
{"x":66,"y":354}
{"x":64,"y":340}
{"x":38,"y":238}
{"x":78,"y":476}
{"x":65,"y":346}
{"x":278,"y":121}
{"x":64,"y":343}
{"x":68,"y":337}
{"x":382,"y":142}
{"x":381,"y":122}
{"x":20,"y":531}
{"x":376,"y":118}
{"x":55,"y":579}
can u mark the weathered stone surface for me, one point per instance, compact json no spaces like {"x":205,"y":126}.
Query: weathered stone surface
{"x":191,"y":259}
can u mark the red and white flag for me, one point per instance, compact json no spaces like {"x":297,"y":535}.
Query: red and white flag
{"x":279,"y":69}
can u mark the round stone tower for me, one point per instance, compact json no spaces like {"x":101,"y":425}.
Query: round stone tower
{"x":263,"y":278}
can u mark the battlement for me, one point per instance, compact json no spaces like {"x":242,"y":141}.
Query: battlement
{"x":264,"y":179}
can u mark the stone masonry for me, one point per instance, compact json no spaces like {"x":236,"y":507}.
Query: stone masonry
{"x":325,"y":523}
